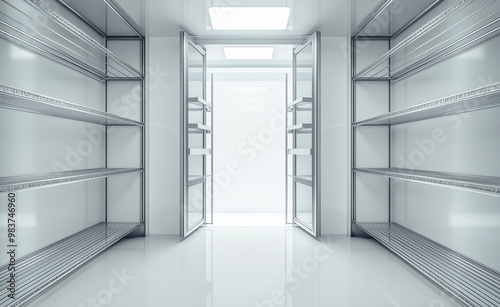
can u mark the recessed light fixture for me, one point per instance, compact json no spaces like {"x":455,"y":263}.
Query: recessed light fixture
{"x":248,"y":53}
{"x":249,"y":18}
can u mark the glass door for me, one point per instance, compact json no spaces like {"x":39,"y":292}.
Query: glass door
{"x":303,"y":138}
{"x":196,"y":140}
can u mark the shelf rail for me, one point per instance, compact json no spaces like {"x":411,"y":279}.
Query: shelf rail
{"x":17,"y":99}
{"x":25,"y":182}
{"x":481,"y":184}
{"x":468,"y":101}
{"x":465,"y":32}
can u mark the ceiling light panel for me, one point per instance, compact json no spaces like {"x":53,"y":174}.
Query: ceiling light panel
{"x":249,"y":18}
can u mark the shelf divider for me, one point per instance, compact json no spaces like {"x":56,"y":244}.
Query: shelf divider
{"x":481,"y":184}
{"x":25,"y":182}
{"x":17,"y":99}
{"x":300,"y":101}
{"x":40,"y":270}
{"x":469,"y":101}
{"x":466,"y":280}
{"x":299,"y":127}
{"x":199,"y":102}
{"x":306,"y":180}
{"x":200,"y":127}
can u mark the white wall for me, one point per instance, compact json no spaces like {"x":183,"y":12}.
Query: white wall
{"x":164,"y":134}
{"x":335,"y":126}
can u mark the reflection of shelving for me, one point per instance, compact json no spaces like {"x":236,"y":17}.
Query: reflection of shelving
{"x":300,"y":151}
{"x":194,"y":180}
{"x":300,"y":102}
{"x":23,"y":182}
{"x":467,"y":281}
{"x":199,"y":151}
{"x":62,"y":41}
{"x":300,"y":128}
{"x":200,"y":102}
{"x":40,"y":270}
{"x":199,"y":128}
{"x":477,"y":99}
{"x":484,"y":184}
{"x":307,"y":180}
{"x":20,"y":100}
{"x":461,"y":32}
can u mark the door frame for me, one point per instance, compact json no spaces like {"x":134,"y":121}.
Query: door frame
{"x":185,"y":230}
{"x":315,"y":41}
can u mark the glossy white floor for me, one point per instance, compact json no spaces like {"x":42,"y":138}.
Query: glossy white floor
{"x":240,"y":267}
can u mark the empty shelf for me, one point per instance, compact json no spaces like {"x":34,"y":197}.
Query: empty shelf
{"x":60,"y":40}
{"x":199,"y":102}
{"x":462,"y":25}
{"x":307,"y":180}
{"x":300,"y":102}
{"x":13,"y":98}
{"x":300,"y":151}
{"x":194,"y":180}
{"x":200,"y":127}
{"x":300,"y":127}
{"x":199,"y":151}
{"x":384,"y":11}
{"x":466,"y":280}
{"x":473,"y":100}
{"x":483,"y":184}
{"x":24,"y":182}
{"x":40,"y":270}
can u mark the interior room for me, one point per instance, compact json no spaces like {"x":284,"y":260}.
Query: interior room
{"x":213,"y":153}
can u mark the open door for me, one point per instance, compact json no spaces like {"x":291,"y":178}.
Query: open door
{"x":303,"y":137}
{"x":196,"y":140}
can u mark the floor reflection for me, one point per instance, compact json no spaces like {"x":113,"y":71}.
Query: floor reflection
{"x":239,"y":267}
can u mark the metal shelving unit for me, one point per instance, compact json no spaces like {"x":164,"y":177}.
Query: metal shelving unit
{"x":17,"y":99}
{"x":86,"y":49}
{"x":482,"y":184}
{"x":26,"y":182}
{"x":469,"y":282}
{"x":401,"y":48}
{"x":38,"y":271}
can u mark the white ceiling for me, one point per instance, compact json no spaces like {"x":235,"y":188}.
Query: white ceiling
{"x":168,"y":17}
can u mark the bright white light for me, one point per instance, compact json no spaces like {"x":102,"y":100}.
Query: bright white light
{"x":249,"y":18}
{"x":249,"y":89}
{"x":248,"y":53}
